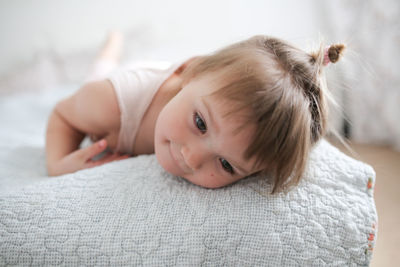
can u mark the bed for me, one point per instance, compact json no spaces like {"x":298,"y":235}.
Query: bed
{"x":131,"y":212}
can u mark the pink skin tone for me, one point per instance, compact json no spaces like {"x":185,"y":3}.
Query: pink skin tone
{"x":186,"y":131}
{"x":195,"y":141}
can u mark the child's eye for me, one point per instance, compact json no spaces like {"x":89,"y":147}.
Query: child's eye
{"x":227,"y":167}
{"x":200,"y":124}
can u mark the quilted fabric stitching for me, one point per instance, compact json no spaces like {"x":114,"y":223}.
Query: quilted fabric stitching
{"x":132,"y":212}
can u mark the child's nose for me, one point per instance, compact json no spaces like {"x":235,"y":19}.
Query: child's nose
{"x":194,"y":156}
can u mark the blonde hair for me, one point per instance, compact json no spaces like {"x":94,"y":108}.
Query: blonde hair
{"x":284,"y":91}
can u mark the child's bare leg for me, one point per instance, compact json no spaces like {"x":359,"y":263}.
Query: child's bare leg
{"x":108,"y":57}
{"x":111,"y":50}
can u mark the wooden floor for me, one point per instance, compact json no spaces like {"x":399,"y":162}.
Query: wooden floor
{"x":386,"y":163}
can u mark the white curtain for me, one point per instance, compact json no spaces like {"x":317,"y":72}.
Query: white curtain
{"x":369,"y":79}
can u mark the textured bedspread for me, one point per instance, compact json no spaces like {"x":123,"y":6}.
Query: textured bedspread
{"x":132,"y":212}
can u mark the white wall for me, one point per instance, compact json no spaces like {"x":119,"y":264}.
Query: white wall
{"x":72,"y":31}
{"x":47,"y":42}
{"x":170,"y":28}
{"x":50,"y":42}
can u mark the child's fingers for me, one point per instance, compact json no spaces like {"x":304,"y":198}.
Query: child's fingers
{"x":114,"y":157}
{"x":123,"y":157}
{"x":94,"y":149}
{"x":106,"y":159}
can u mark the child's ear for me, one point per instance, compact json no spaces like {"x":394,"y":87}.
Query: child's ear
{"x":184,"y":65}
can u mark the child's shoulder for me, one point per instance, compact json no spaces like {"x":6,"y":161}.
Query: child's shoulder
{"x":93,"y":108}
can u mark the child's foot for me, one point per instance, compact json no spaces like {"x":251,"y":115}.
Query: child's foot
{"x":108,"y":57}
{"x":112,"y":48}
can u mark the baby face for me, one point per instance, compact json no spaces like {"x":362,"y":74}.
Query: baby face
{"x":195,"y":141}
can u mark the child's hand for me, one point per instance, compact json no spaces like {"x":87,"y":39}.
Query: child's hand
{"x":82,"y":159}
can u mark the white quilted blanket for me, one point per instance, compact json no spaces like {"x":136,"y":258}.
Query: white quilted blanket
{"x":131,"y":212}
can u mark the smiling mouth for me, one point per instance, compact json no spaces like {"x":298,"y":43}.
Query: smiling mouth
{"x":179,"y":161}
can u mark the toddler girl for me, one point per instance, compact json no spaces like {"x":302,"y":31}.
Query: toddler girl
{"x":257,"y":106}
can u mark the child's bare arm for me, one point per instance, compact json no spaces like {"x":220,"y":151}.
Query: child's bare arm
{"x":93,"y":109}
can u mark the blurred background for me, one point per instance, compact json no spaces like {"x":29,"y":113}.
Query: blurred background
{"x":46,"y":44}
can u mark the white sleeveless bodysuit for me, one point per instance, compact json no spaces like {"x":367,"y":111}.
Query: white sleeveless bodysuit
{"x":135,"y":88}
